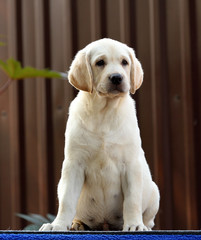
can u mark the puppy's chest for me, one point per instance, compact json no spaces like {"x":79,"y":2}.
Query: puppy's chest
{"x":107,"y":147}
{"x":105,"y":162}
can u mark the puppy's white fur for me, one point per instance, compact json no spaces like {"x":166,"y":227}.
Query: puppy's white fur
{"x":105,"y":177}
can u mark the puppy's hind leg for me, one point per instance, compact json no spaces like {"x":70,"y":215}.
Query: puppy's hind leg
{"x":78,"y":225}
{"x":151,"y":211}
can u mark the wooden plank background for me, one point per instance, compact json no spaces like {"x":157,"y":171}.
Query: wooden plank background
{"x":166,"y":35}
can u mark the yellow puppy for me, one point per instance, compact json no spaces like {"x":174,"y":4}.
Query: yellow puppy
{"x":106,"y":182}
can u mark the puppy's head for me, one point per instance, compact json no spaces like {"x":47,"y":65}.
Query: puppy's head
{"x":108,"y":67}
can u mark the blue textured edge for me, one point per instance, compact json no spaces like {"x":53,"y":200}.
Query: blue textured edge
{"x":155,"y":232}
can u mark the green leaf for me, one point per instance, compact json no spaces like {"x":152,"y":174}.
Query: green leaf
{"x":32,"y":227}
{"x":29,"y":72}
{"x":31,"y":219}
{"x":15,"y":71}
{"x":51,"y":217}
{"x":39,"y":217}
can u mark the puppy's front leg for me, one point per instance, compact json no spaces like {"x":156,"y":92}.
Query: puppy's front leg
{"x":69,"y":190}
{"x":132,"y":189}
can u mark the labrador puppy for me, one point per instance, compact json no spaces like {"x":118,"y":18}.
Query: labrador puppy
{"x":105,"y":182}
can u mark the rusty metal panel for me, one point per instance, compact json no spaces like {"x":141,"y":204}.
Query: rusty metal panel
{"x":47,"y":34}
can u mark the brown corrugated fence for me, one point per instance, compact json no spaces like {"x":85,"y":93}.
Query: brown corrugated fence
{"x":166,"y":35}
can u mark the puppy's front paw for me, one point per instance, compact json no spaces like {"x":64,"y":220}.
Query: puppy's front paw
{"x":60,"y":226}
{"x":135,"y":227}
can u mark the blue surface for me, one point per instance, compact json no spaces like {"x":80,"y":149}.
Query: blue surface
{"x":176,"y":235}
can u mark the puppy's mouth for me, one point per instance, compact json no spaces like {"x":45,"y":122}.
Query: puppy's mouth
{"x":113,"y":92}
{"x":116,"y":89}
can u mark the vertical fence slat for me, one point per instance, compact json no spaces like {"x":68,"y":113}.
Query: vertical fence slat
{"x":124,"y":21}
{"x":5,"y":180}
{"x":143,"y":54}
{"x":14,"y":120}
{"x":84,"y":29}
{"x":176,"y":122}
{"x":191,"y":203}
{"x":41,"y":120}
{"x":153,"y":8}
{"x":113,"y":19}
{"x":196,"y":73}
{"x":30,"y":119}
{"x":95,"y":16}
{"x":156,"y":91}
{"x":57,"y":89}
{"x":67,"y":26}
{"x":164,"y":163}
{"x":67,"y":52}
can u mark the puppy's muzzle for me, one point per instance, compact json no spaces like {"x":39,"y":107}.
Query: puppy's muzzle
{"x":116,"y":78}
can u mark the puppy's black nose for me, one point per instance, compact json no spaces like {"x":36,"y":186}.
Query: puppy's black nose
{"x":116,"y":78}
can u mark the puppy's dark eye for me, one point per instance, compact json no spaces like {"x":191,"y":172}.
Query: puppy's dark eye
{"x":100,"y":63}
{"x":124,"y":62}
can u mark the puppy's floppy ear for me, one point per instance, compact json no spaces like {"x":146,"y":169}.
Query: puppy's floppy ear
{"x":80,"y":74}
{"x":136,"y":75}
